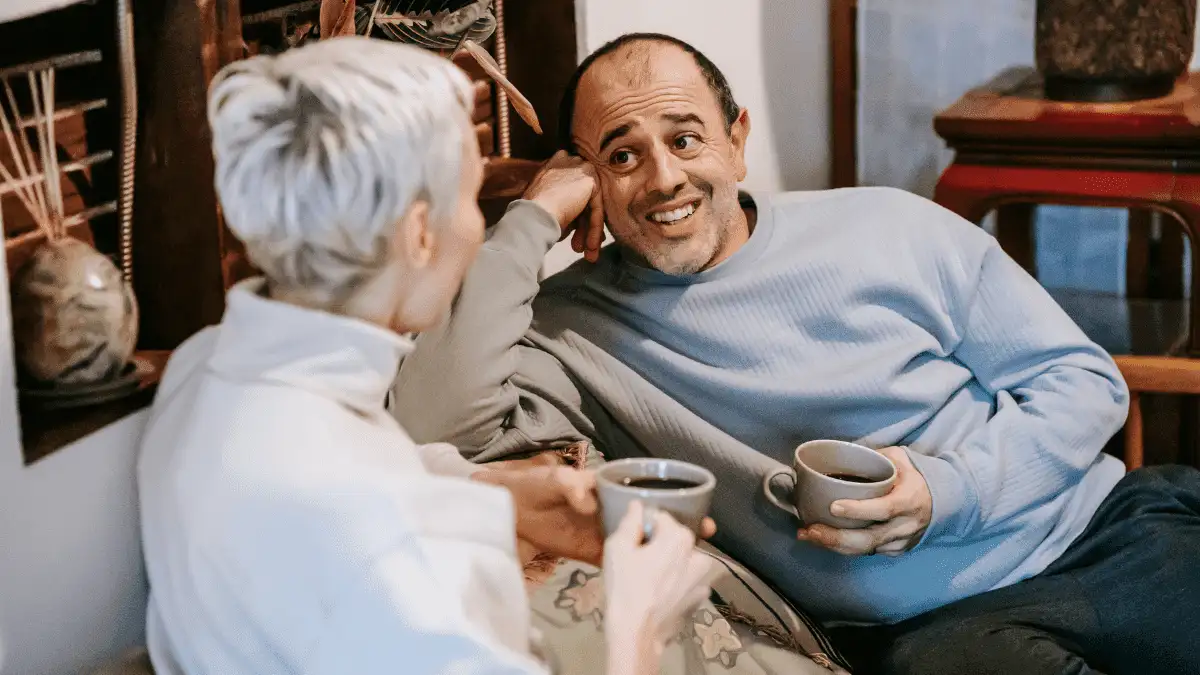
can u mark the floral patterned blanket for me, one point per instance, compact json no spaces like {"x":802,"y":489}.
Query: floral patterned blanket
{"x":744,"y":629}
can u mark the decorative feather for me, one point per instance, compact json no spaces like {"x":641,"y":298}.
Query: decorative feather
{"x":519,"y":103}
{"x":337,"y":18}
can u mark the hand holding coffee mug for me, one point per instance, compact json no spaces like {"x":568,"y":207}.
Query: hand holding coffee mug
{"x":855,"y":500}
{"x":680,"y":489}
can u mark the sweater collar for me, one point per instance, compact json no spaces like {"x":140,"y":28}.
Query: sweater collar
{"x":346,"y":360}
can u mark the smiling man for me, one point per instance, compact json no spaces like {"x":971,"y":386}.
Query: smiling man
{"x":725,"y":328}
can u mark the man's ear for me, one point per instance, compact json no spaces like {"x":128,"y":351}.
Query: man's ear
{"x":738,"y":132}
{"x":414,"y":240}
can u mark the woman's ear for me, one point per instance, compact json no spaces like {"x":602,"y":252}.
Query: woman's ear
{"x":414,"y":239}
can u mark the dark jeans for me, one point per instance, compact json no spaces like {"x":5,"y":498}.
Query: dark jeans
{"x":1123,"y":600}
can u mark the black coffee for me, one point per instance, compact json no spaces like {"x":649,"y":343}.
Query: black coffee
{"x":659,"y":483}
{"x":851,"y":477}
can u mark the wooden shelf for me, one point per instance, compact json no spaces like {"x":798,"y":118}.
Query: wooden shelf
{"x":507,"y":178}
{"x":44,"y":431}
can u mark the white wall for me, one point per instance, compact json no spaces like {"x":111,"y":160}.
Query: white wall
{"x":72,"y":588}
{"x":776,"y":56}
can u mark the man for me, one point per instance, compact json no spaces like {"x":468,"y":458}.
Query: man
{"x":726,"y":328}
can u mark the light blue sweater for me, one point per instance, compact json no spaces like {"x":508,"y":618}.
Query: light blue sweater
{"x":869,"y":315}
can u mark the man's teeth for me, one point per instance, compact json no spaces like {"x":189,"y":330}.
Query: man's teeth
{"x":672,"y":216}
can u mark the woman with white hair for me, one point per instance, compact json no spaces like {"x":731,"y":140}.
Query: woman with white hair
{"x":289,"y":524}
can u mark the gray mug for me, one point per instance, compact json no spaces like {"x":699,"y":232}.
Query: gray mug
{"x":825,"y":471}
{"x":681,"y":489}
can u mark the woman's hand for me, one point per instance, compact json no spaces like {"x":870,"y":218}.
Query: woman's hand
{"x":650,"y":586}
{"x":556,"y":509}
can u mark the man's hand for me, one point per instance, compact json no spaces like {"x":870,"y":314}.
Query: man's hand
{"x":556,"y":509}
{"x":568,"y":189}
{"x":902,"y":514}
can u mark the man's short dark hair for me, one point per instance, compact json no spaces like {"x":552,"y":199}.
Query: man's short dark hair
{"x":712,"y":75}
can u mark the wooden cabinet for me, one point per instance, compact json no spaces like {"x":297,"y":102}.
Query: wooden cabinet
{"x":185,"y":258}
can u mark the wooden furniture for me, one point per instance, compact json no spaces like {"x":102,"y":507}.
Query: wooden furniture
{"x":80,"y":41}
{"x":1015,"y":149}
{"x":183,"y":43}
{"x":843,"y":93}
{"x":1152,"y":374}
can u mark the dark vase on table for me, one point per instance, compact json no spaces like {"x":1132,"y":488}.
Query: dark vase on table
{"x":1113,"y":50}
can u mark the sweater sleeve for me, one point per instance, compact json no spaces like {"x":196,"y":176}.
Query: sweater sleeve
{"x":1059,"y":398}
{"x":472,"y":380}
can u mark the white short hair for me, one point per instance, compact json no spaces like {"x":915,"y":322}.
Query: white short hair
{"x":322,"y":149}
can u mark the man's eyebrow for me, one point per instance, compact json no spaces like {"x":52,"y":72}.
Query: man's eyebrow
{"x":614,"y":135}
{"x":687,"y":118}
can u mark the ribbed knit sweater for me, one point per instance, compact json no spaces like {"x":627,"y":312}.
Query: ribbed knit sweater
{"x":869,"y":315}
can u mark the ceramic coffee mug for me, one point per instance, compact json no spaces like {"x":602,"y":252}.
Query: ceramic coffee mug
{"x":825,"y":471}
{"x":681,"y":489}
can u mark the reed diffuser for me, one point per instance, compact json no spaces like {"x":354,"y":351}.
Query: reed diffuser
{"x":74,"y":316}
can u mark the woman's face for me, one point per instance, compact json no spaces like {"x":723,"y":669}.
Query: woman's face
{"x":449,"y":249}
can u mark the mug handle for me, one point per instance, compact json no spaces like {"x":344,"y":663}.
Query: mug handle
{"x":770,"y":494}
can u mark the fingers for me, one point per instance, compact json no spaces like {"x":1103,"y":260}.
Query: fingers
{"x":579,"y":487}
{"x":707,"y":528}
{"x":595,"y":230}
{"x":698,"y":576}
{"x":846,"y":542}
{"x":670,"y":538}
{"x":577,"y":237}
{"x":895,"y":548}
{"x":880,"y":509}
{"x":903,"y":499}
{"x":630,"y":532}
{"x":894,"y":536}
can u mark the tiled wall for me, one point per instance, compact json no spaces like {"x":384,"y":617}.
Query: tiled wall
{"x":918,"y":56}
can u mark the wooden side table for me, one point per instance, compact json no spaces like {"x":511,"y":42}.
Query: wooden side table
{"x":1014,"y":149}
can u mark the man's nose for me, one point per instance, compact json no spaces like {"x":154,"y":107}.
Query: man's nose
{"x":666,"y":171}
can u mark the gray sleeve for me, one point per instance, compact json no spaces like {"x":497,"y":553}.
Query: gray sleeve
{"x":472,"y":380}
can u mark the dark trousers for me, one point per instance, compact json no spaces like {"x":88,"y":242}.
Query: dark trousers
{"x":1123,"y":600}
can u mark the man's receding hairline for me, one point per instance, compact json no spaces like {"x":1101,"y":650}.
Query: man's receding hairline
{"x":640,"y":48}
{"x":631,"y":44}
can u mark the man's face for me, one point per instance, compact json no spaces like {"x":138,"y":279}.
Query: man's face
{"x":668,"y":165}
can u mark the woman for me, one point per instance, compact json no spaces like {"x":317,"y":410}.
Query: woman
{"x":290,"y":525}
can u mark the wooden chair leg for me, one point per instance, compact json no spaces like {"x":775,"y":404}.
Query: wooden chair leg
{"x":1014,"y":231}
{"x":1134,"y":452}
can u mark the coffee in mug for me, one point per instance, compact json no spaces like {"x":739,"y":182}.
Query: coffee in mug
{"x":681,"y":489}
{"x":825,"y":471}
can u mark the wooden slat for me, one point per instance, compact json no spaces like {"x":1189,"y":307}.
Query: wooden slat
{"x":180,"y":238}
{"x":1160,"y":374}
{"x":1135,"y":450}
{"x":843,"y":85}
{"x":1014,"y":231}
{"x":541,"y":56}
{"x":58,"y":62}
{"x":1137,"y":254}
